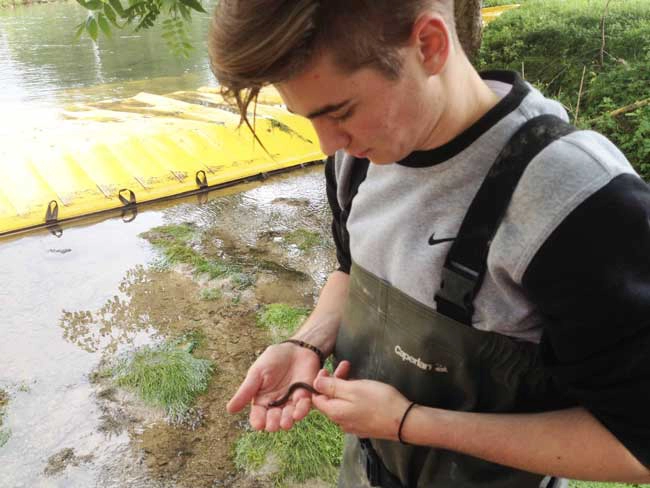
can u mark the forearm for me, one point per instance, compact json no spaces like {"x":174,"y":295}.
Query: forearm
{"x":567,"y":443}
{"x":321,"y":327}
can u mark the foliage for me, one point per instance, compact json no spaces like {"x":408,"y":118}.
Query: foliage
{"x":166,"y":376}
{"x":281,"y":319}
{"x":552,"y":41}
{"x":103,"y":15}
{"x":311,"y":449}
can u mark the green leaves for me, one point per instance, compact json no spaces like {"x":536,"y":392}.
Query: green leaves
{"x":176,"y":36}
{"x":194,"y":5}
{"x":143,"y":14}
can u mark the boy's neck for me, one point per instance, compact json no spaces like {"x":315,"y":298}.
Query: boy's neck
{"x":467,"y":98}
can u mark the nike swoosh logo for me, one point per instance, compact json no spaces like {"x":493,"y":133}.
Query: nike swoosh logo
{"x":433,"y":241}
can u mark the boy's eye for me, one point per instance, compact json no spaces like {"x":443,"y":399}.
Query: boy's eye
{"x":344,"y":116}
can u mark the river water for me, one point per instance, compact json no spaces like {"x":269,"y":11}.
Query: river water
{"x":52,"y":407}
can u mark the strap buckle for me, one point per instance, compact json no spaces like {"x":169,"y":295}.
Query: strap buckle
{"x":371,"y":463}
{"x":458,"y":286}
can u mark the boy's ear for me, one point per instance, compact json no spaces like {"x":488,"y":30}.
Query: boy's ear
{"x":433,"y":40}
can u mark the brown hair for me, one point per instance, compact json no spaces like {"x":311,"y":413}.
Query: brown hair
{"x":254,"y":43}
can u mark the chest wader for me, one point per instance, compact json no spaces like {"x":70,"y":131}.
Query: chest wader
{"x":435,"y":357}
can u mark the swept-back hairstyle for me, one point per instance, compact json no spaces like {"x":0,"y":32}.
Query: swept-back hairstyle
{"x":254,"y":43}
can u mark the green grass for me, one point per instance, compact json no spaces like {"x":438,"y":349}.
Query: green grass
{"x":304,"y":239}
{"x":552,"y":41}
{"x":311,"y":449}
{"x":281,"y":320}
{"x":165,"y":376}
{"x":177,"y":242}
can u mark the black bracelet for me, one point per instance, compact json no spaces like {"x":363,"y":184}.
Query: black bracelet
{"x":401,"y":424}
{"x":306,"y":345}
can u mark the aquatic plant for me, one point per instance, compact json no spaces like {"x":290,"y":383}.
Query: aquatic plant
{"x":304,"y":239}
{"x":311,"y":449}
{"x":176,"y":243}
{"x":166,"y":376}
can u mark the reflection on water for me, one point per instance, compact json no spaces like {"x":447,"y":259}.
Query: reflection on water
{"x":51,"y":403}
{"x":42,"y":62}
{"x":43,"y":67}
{"x":116,"y":322}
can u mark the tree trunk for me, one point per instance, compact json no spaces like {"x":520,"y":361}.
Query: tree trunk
{"x":469,"y":25}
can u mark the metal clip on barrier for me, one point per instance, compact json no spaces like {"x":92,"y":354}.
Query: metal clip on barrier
{"x":201,"y":179}
{"x":129,"y":203}
{"x":52,"y":217}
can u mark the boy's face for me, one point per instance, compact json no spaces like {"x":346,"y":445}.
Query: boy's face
{"x":365,"y":113}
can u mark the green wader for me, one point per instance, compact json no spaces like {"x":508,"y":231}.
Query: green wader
{"x":440,"y":361}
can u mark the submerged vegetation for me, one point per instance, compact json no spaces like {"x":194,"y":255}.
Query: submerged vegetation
{"x":166,"y":376}
{"x":178,"y":244}
{"x":593,"y":56}
{"x":303,"y":239}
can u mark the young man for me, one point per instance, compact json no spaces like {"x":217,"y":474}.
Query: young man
{"x":546,"y":375}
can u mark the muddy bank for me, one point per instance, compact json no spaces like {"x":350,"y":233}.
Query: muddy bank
{"x":237,"y":254}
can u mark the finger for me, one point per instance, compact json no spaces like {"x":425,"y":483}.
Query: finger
{"x":323,"y":373}
{"x":332,"y":387}
{"x":257,"y":417}
{"x":286,"y":420}
{"x":332,"y":408}
{"x":245,"y":393}
{"x":302,"y":409}
{"x":273,"y":417}
{"x":343,"y":370}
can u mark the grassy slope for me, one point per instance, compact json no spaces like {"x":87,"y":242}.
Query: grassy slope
{"x":553,"y":41}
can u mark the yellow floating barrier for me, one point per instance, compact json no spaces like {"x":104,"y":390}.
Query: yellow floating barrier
{"x":491,"y":13}
{"x":117,"y":154}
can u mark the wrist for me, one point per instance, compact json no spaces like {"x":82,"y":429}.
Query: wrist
{"x":306,"y":345}
{"x":400,"y":429}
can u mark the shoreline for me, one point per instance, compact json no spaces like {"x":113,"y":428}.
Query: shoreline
{"x":7,"y":4}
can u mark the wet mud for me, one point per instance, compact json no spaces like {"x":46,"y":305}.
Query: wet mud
{"x":172,"y":300}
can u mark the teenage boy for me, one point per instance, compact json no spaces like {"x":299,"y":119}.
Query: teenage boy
{"x":475,"y":347}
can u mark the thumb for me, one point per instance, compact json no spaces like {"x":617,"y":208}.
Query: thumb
{"x":245,"y":393}
{"x":330,"y":386}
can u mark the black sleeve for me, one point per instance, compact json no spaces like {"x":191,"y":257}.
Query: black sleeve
{"x":591,"y":279}
{"x":339,"y":219}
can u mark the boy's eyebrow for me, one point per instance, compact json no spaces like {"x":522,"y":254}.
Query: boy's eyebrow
{"x":324,"y":110}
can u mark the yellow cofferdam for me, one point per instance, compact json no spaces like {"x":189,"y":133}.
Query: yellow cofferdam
{"x":113,"y":155}
{"x":116,"y":154}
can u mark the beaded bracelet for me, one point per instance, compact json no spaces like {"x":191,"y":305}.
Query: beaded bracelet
{"x":401,"y":424}
{"x":306,"y":345}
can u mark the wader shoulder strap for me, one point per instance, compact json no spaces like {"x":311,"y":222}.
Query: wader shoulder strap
{"x":466,"y":262}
